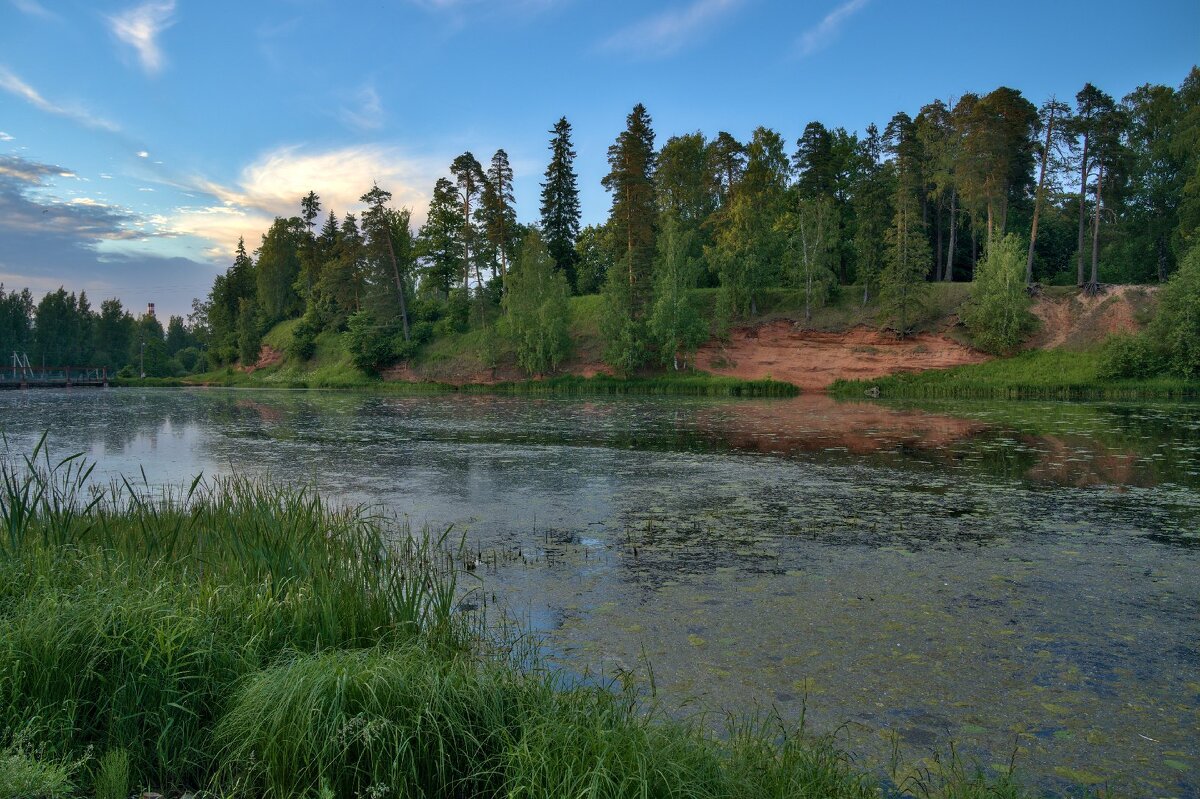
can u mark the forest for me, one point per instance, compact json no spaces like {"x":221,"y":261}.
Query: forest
{"x":1082,"y":191}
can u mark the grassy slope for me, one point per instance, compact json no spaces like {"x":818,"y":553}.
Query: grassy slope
{"x":457,"y":362}
{"x":1037,"y":374}
{"x":461,"y":359}
{"x":250,"y":640}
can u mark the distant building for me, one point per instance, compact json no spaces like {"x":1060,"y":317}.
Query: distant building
{"x":150,"y":309}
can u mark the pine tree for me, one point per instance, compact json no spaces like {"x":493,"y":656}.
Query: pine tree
{"x":1054,"y":119}
{"x":560,"y":202}
{"x":727,"y":162}
{"x":496,"y":215}
{"x":1090,"y":104}
{"x":468,"y":176}
{"x":310,"y":256}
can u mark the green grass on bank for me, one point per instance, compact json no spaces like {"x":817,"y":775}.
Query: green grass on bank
{"x":250,"y":640}
{"x":691,"y":384}
{"x":1037,"y":374}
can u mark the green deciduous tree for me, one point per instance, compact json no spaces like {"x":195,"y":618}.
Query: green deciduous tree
{"x":278,"y":267}
{"x":997,"y":314}
{"x":811,"y":232}
{"x":537,"y":309}
{"x":16,"y":323}
{"x":747,"y":247}
{"x":1176,"y":328}
{"x":676,"y":326}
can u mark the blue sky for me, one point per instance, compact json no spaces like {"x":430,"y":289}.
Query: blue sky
{"x":138,"y":140}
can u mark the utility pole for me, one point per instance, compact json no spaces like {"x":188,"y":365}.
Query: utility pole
{"x":142,"y":367}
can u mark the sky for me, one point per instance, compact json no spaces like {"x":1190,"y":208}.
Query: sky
{"x":140,"y":138}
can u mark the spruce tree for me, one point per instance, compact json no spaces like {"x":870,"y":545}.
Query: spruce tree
{"x":902,"y":283}
{"x":441,"y":244}
{"x":382,"y":226}
{"x":560,"y":203}
{"x":632,"y":222}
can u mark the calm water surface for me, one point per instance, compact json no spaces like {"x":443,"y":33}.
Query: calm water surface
{"x":1006,"y":576}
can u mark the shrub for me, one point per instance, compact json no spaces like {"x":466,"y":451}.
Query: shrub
{"x":370,"y":343}
{"x":1177,"y":326}
{"x":998,"y":312}
{"x":1129,"y":355}
{"x":304,"y":338}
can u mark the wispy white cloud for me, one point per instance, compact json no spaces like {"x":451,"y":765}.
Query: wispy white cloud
{"x":34,"y":9}
{"x":366,"y":110}
{"x":820,"y":35}
{"x":12,"y":84}
{"x":273,"y":185}
{"x":142,"y":154}
{"x":140,"y":26}
{"x":5,"y":137}
{"x":670,"y":31}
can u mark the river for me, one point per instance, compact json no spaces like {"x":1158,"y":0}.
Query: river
{"x":1020,"y":579}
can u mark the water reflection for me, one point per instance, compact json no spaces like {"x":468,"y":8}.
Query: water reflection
{"x":983,"y":572}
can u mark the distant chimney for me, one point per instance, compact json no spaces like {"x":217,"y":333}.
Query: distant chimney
{"x":150,"y":309}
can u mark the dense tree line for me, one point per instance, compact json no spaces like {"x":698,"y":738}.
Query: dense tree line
{"x":63,"y":329}
{"x":1081,"y":191}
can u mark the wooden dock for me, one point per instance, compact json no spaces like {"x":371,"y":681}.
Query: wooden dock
{"x":54,"y":377}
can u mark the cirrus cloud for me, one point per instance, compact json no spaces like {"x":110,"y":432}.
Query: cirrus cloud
{"x":139,"y":27}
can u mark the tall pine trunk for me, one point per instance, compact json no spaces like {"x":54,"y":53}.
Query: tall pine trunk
{"x":1095,"y":282}
{"x":399,"y":283}
{"x":1038,"y":199}
{"x":937,"y":217}
{"x":953,"y":235}
{"x":1083,"y":176}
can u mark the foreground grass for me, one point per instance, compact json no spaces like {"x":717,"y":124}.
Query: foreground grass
{"x":1037,"y":374}
{"x":250,"y":640}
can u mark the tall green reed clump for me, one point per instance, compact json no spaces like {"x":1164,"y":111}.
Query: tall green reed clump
{"x":395,"y":722}
{"x":129,"y":616}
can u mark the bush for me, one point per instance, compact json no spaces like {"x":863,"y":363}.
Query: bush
{"x":304,"y":338}
{"x":1177,"y":326}
{"x":1127,"y":355}
{"x":998,"y":312}
{"x":370,"y":343}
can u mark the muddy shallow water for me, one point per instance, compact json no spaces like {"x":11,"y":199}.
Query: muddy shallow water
{"x":1007,"y":576}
